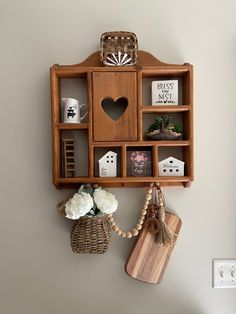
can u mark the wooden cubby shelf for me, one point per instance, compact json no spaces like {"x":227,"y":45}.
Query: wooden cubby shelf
{"x":124,"y":182}
{"x":119,"y":112}
{"x":165,"y":109}
{"x":72,"y":126}
{"x":144,"y":143}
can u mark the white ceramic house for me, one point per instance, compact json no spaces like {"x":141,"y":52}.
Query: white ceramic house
{"x":171,"y":167}
{"x":108,"y":165}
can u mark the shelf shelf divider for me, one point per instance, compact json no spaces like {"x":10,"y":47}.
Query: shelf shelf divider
{"x":142,"y":143}
{"x":123,"y":161}
{"x":72,"y":126}
{"x":141,"y":180}
{"x":155,"y":160}
{"x":164,"y":109}
{"x":91,"y":162}
{"x":140,"y":97}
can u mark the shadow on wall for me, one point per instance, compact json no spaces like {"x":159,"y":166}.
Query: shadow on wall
{"x":170,"y":304}
{"x":164,"y":298}
{"x":169,"y":297}
{"x":153,"y":300}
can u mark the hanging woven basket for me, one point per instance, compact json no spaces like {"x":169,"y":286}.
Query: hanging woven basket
{"x":91,"y":235}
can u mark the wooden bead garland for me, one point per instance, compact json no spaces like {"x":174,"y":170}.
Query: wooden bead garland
{"x":135,"y":230}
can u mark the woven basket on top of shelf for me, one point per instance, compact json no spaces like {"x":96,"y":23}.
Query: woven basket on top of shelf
{"x":91,"y":235}
{"x":116,"y":46}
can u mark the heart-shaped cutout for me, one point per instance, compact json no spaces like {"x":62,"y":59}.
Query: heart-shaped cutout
{"x":114,"y":108}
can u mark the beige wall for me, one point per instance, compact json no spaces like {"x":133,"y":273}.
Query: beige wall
{"x":38,"y":272}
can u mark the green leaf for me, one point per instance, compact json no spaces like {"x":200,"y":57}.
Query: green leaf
{"x":178,"y":128}
{"x":164,"y":122}
{"x":81,"y":189}
{"x":88,"y":189}
{"x":92,"y":212}
{"x":159,"y":123}
{"x":99,"y":213}
{"x":94,"y":205}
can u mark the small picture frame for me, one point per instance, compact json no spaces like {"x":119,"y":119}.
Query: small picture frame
{"x":165,"y":92}
{"x":139,"y":163}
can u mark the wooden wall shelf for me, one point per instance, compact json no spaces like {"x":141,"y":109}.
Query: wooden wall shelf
{"x":101,"y":132}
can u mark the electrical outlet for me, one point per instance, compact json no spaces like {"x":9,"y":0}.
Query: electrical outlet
{"x":224,"y":273}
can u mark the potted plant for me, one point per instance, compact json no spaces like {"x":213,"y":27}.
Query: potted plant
{"x":162,"y":129}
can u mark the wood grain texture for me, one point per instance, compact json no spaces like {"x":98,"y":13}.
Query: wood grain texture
{"x":72,"y":126}
{"x":55,"y":117}
{"x":123,"y":161}
{"x":140,"y":105}
{"x":155,"y":160}
{"x":148,"y":260}
{"x":165,"y":109}
{"x":115,"y":82}
{"x":90,"y":128}
{"x":93,"y":61}
{"x":144,"y":181}
{"x":115,"y":184}
{"x":144,"y":143}
{"x":114,"y":85}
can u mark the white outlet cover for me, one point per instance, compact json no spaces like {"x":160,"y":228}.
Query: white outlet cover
{"x":224,"y":273}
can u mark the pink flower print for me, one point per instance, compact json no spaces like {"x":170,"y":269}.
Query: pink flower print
{"x":138,"y":157}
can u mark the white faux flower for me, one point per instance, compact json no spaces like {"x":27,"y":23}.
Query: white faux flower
{"x":79,"y":205}
{"x":105,"y":201}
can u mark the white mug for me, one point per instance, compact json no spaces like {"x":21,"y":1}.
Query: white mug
{"x":72,"y":110}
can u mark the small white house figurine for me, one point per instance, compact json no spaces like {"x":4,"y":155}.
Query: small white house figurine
{"x":171,"y":167}
{"x":165,"y":92}
{"x":108,"y":165}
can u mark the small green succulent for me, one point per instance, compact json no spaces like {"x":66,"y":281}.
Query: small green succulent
{"x":162,"y":123}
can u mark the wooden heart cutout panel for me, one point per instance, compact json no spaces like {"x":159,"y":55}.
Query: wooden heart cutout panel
{"x":114,"y":108}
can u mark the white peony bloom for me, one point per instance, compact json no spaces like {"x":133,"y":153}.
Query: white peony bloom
{"x":79,"y":205}
{"x":105,"y":201}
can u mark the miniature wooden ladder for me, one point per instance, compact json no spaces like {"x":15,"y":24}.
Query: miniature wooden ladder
{"x":69,"y":157}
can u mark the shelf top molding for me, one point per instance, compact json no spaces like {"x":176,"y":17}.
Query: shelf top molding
{"x":146,"y":63}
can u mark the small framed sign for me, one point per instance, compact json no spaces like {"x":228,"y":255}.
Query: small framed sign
{"x":139,"y":163}
{"x":165,"y":92}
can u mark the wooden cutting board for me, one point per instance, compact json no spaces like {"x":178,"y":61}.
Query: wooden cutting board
{"x":148,"y":260}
